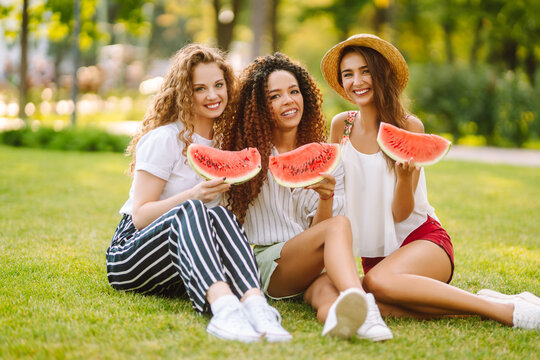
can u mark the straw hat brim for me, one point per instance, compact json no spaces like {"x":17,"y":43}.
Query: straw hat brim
{"x":330,"y":65}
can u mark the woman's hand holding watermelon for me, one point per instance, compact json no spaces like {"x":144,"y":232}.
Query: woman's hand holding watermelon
{"x":208,"y":190}
{"x":405,"y":169}
{"x":325,"y":187}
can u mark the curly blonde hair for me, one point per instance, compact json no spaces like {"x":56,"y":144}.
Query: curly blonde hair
{"x":253,"y":121}
{"x":174,"y":102}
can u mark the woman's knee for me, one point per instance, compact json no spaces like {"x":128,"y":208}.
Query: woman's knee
{"x":378,"y":282}
{"x":341,"y":226}
{"x":320,"y":289}
{"x":341,"y":222}
{"x":221,"y":212}
{"x":189,"y":207}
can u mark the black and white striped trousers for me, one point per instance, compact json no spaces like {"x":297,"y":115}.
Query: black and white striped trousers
{"x":185,"y":250}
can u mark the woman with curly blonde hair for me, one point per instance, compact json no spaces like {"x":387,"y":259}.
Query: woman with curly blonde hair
{"x":173,"y":237}
{"x":295,"y":232}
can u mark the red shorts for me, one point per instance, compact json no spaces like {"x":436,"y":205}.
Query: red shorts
{"x":432,"y":231}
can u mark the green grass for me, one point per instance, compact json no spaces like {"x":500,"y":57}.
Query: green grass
{"x":58,"y":211}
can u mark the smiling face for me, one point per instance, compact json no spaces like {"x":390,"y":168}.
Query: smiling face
{"x":356,"y":78}
{"x":285,"y":99}
{"x":209,"y":91}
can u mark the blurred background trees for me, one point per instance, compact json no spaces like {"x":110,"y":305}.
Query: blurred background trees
{"x":473,"y":63}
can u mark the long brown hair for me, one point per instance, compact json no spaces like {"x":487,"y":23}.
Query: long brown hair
{"x":253,"y":121}
{"x":174,"y":101}
{"x":386,"y":90}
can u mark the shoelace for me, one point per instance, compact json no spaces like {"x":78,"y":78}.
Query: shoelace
{"x":267,"y":313}
{"x":234,"y":316}
{"x":373,"y":315}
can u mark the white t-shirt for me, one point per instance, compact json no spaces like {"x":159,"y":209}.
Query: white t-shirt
{"x":159,"y":152}
{"x":278,"y":214}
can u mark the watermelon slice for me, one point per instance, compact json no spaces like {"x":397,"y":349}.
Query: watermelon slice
{"x":236,"y":166}
{"x":301,"y":167}
{"x":401,"y":145}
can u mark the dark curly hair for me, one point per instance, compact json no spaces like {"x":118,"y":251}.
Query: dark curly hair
{"x":253,"y":120}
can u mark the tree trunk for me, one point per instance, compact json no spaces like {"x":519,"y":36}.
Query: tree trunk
{"x":224,"y":27}
{"x":258,"y":25}
{"x":273,"y":26}
{"x":476,"y":42}
{"x":530,"y":65}
{"x":23,"y":84}
{"x":509,"y":53}
{"x":448,"y":43}
{"x":75,"y":50}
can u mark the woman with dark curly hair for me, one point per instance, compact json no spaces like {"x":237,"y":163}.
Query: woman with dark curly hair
{"x":173,"y":237}
{"x":295,"y":232}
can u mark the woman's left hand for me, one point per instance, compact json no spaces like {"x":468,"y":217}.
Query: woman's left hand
{"x":325,"y":187}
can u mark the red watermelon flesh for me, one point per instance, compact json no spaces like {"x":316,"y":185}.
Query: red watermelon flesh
{"x":301,"y":167}
{"x":235,"y":166}
{"x":401,"y":145}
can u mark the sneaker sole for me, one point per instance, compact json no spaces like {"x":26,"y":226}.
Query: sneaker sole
{"x":378,"y":337}
{"x":351,"y":313}
{"x":525,"y":296}
{"x":277,"y":338}
{"x":225,"y":335}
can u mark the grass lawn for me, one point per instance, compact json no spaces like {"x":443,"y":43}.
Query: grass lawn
{"x":58,"y":211}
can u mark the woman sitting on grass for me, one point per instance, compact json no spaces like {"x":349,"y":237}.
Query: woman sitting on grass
{"x":408,"y":257}
{"x":295,"y":232}
{"x":173,"y":237}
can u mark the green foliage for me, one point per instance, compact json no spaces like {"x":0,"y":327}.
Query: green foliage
{"x":466,"y":101}
{"x":78,"y":139}
{"x":58,"y":211}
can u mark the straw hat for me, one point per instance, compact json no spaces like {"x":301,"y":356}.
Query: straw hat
{"x":330,"y":65}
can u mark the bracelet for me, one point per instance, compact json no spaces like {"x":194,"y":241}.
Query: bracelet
{"x":328,"y":198}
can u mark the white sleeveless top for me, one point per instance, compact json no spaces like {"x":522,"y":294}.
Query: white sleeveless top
{"x":369,"y":191}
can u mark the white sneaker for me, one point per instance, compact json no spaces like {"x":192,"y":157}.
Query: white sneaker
{"x":346,"y":314}
{"x":526,"y":315}
{"x":266,"y":320}
{"x":231,"y":324}
{"x":504,"y":298}
{"x":374,"y":328}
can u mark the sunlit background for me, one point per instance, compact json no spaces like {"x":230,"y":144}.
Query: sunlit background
{"x":473,"y":63}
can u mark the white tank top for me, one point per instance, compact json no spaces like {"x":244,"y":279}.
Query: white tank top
{"x":369,"y":191}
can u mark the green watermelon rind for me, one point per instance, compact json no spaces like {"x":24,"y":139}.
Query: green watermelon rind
{"x":312,"y":181}
{"x":388,"y":151}
{"x":229,"y":180}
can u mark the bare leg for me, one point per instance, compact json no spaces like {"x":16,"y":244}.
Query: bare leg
{"x":321,"y":294}
{"x":413,"y":278}
{"x":217,"y":290}
{"x":220,"y":288}
{"x":327,"y":244}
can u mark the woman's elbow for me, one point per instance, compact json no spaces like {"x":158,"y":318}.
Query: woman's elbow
{"x":401,"y":215}
{"x":137,"y":220}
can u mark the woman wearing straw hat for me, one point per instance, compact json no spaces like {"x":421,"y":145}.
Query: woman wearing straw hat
{"x":407,"y":256}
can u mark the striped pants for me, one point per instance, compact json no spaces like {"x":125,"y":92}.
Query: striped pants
{"x":186,"y":250}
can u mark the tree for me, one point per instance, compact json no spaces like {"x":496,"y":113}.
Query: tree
{"x":258,"y":23}
{"x":344,"y":14}
{"x":226,"y":17}
{"x":23,"y":86}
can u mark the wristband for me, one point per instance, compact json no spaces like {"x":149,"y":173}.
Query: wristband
{"x":328,"y":198}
